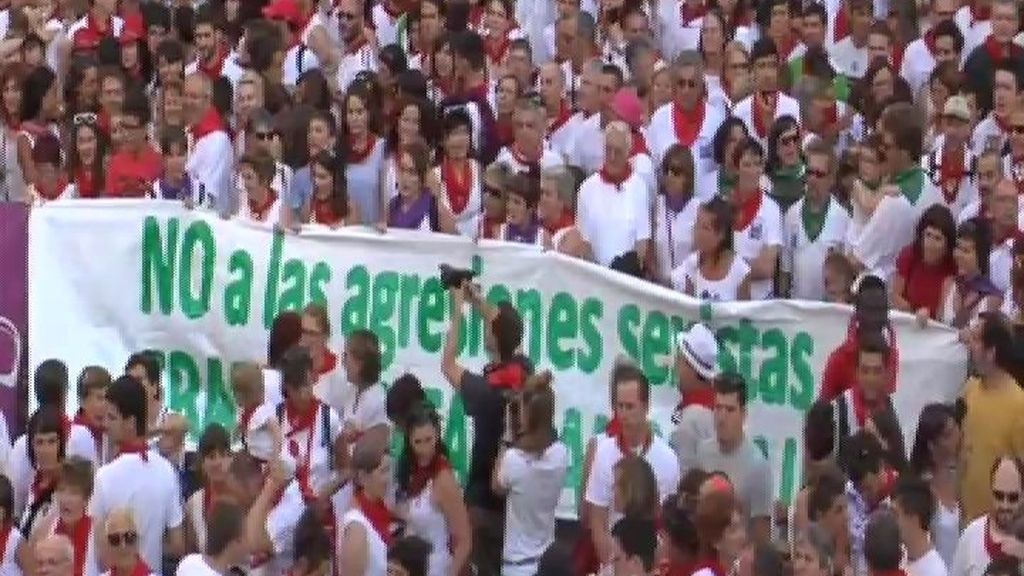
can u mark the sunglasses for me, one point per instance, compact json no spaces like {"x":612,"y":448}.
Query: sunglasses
{"x":127,"y":539}
{"x":1008,"y":497}
{"x":84,"y":118}
{"x":817,"y":173}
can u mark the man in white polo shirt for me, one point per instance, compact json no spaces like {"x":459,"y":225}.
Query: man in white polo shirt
{"x":990,"y":537}
{"x":696,"y":359}
{"x":612,"y":210}
{"x":629,"y":433}
{"x":138,"y":479}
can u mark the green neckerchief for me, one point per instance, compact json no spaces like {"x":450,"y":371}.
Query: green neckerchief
{"x":814,"y":221}
{"x":911,"y":183}
{"x":787,"y":185}
{"x":841,"y":88}
{"x":726,"y":184}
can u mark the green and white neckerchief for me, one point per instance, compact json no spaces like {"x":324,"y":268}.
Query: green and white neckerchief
{"x":911,"y":183}
{"x":813,"y":220}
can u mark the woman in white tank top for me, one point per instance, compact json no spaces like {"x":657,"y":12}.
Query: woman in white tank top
{"x":364,"y":532}
{"x":430,"y":497}
{"x":214,"y":454}
{"x":713,"y":272}
{"x":934,"y":457}
{"x":970,"y":292}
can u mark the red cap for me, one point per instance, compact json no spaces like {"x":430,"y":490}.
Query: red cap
{"x":626,"y":105}
{"x":283,"y":10}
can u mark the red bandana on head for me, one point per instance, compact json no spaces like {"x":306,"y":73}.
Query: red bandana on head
{"x":79,"y":536}
{"x":458,"y":183}
{"x":378,"y":515}
{"x":687,"y":123}
{"x":762,"y":117}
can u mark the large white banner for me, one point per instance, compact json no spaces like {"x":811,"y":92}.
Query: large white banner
{"x":111,"y":277}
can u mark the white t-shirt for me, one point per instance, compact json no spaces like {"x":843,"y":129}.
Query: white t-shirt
{"x":280,"y":525}
{"x":365,"y":409}
{"x":272,"y":387}
{"x":587,"y":151}
{"x":534,"y":485}
{"x":467,"y":222}
{"x":548,"y":159}
{"x":600,"y":484}
{"x":376,"y":550}
{"x":847,"y":59}
{"x":364,"y":58}
{"x":613,"y":219}
{"x":930,"y":564}
{"x":271,"y":216}
{"x":195,"y":565}
{"x":149,"y":489}
{"x":785,"y":105}
{"x":723,"y":290}
{"x":917,"y":65}
{"x":804,"y":258}
{"x":661,"y":134}
{"x":259,"y":442}
{"x":763,"y":231}
{"x":696,"y":424}
{"x":673,"y":234}
{"x":974,"y":31}
{"x":971,"y":555}
{"x":310,"y":447}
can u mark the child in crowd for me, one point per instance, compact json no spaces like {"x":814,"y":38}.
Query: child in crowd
{"x":261,"y":203}
{"x":174,"y":183}
{"x":70,"y":517}
{"x":839,"y":277}
{"x":258,"y":429}
{"x":521,"y":222}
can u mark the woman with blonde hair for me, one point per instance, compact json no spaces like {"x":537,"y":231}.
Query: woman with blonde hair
{"x":530,"y":471}
{"x":365,"y":530}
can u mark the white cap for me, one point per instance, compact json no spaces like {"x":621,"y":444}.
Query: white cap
{"x":700,"y":349}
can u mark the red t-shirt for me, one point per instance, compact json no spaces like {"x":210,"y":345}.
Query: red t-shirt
{"x":922,"y":282}
{"x":841,"y":367}
{"x":130,"y":175}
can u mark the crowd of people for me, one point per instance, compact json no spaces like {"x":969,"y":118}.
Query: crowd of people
{"x":862,"y":152}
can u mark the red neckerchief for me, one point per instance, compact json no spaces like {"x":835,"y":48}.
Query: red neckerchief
{"x":330,"y":363}
{"x":620,"y":441}
{"x":89,"y":37}
{"x":951,"y":172}
{"x":215,"y":70}
{"x":711,"y":564}
{"x":48,"y":193}
{"x":65,"y":426}
{"x":860,"y":406}
{"x":896,"y":572}
{"x":478,"y":92}
{"x":687,"y":123}
{"x":564,"y":114}
{"x":140,"y":569}
{"x":748,"y":211}
{"x":841,"y":26}
{"x":210,"y":497}
{"x":786,"y":47}
{"x":1002,"y":238}
{"x":85,"y":184}
{"x":897,"y":55}
{"x":496,"y":48}
{"x":996,"y":50}
{"x":762,"y":124}
{"x":616,"y":180}
{"x":564,"y":221}
{"x":210,"y":122}
{"x":698,"y":397}
{"x":994,"y":549}
{"x":671,"y":569}
{"x":79,"y":536}
{"x":378,"y":514}
{"x":688,"y":14}
{"x":356,"y":46}
{"x":95,"y":429}
{"x":42,"y":485}
{"x":505,"y":131}
{"x":301,"y":422}
{"x":323,"y":212}
{"x":978,"y":13}
{"x":530,"y":161}
{"x":639,"y":145}
{"x":458,"y":183}
{"x":424,"y":474}
{"x":259,"y":211}
{"x":929,"y":41}
{"x":5,"y":534}
{"x":137,"y":447}
{"x":357,"y":155}
{"x":506,"y":376}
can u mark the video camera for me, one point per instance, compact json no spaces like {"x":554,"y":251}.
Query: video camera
{"x":452,"y":277}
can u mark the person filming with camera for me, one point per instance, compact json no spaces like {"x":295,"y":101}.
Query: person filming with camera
{"x":484,"y":397}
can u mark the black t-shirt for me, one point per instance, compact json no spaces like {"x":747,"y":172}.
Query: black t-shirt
{"x":486,"y":405}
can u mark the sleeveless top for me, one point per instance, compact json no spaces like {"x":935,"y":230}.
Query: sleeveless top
{"x":724,"y":290}
{"x":363,"y":180}
{"x":538,"y":238}
{"x":427,"y":522}
{"x":945,"y":529}
{"x":197,"y":517}
{"x":376,"y":550}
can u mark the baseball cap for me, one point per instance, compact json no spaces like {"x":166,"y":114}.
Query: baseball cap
{"x":700,"y":349}
{"x":283,"y":10}
{"x":626,"y":105}
{"x":956,"y":107}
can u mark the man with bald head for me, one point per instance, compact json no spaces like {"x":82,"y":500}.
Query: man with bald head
{"x":991,"y":536}
{"x":53,"y":556}
{"x":611,"y":211}
{"x":211,"y":155}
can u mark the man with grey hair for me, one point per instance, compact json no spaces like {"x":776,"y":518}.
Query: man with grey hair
{"x":54,"y":556}
{"x":561,"y":122}
{"x":528,"y":153}
{"x":689,"y":120}
{"x":612,"y":208}
{"x":211,"y":154}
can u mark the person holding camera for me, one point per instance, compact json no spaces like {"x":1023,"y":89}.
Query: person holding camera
{"x":530,"y":471}
{"x":484,"y":397}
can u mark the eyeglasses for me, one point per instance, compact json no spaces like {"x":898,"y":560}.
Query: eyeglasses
{"x":675,"y":170}
{"x":129,"y":538}
{"x":817,"y":173}
{"x":346,"y":16}
{"x":84,"y":118}
{"x":265,"y":136}
{"x":1008,"y":497}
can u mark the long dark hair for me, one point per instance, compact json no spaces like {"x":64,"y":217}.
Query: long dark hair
{"x":96,"y":169}
{"x":939,"y":217}
{"x":724,"y":215}
{"x":930,"y":426}
{"x":37,"y":84}
{"x":888,"y":426}
{"x":977,"y":232}
{"x":537,"y":414}
{"x":334,"y":164}
{"x":780,"y":127}
{"x":46,"y":420}
{"x":424,"y":415}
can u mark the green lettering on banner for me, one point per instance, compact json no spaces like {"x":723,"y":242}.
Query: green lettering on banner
{"x":563,"y":324}
{"x":802,"y":395}
{"x":273,"y":279}
{"x":198,"y":236}
{"x":238,"y":293}
{"x":409,"y":292}
{"x":590,"y":357}
{"x":356,"y":311}
{"x":627,"y":324}
{"x":384,"y":303}
{"x":528,"y":305}
{"x":158,"y":261}
{"x":774,"y":372}
{"x":430,"y":319}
